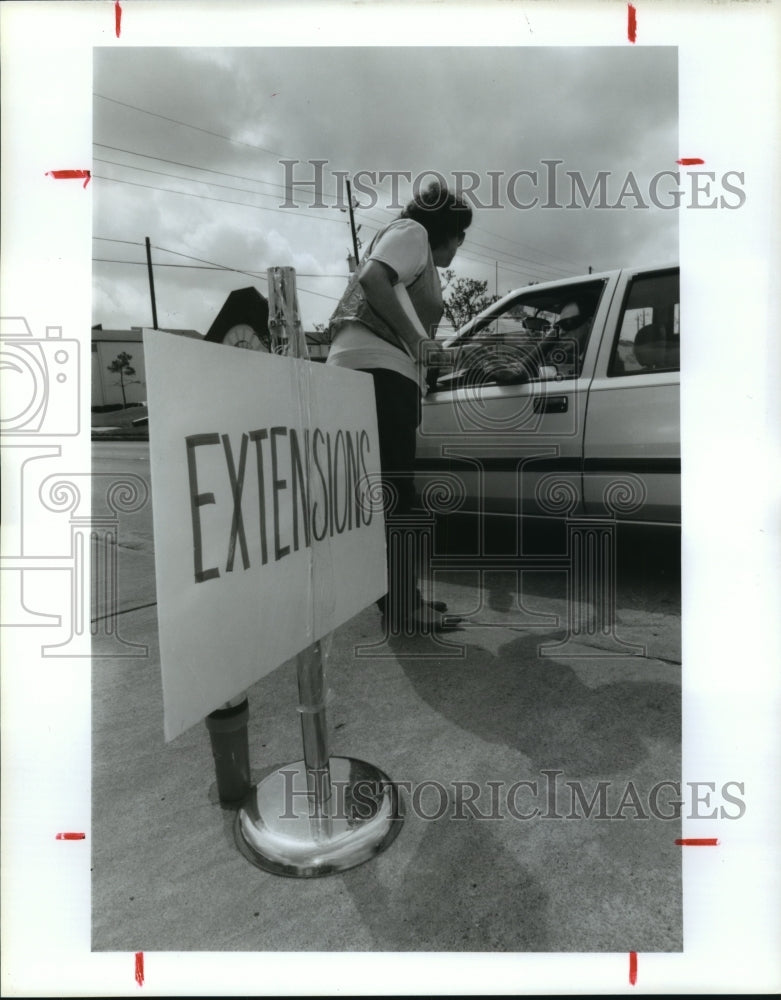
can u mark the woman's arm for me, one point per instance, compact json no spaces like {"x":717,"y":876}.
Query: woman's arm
{"x":377,"y":281}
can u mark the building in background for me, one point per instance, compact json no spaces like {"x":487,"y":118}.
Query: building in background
{"x":241,"y":322}
{"x":107,"y":346}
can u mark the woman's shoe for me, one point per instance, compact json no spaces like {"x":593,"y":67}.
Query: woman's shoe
{"x":439,"y":606}
{"x":426,"y":620}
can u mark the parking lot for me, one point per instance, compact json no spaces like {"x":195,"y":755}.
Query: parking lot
{"x":531,"y":749}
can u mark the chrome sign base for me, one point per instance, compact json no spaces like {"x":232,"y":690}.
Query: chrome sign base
{"x":287,"y":826}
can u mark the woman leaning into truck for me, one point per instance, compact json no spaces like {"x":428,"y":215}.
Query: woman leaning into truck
{"x":379,"y":329}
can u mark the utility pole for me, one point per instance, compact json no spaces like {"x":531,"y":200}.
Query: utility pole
{"x":151,"y":282}
{"x":352,"y":220}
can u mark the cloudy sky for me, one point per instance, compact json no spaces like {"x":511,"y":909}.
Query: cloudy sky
{"x":188,"y":144}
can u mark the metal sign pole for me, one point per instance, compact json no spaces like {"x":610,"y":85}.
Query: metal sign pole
{"x":322,"y":814}
{"x":288,"y":337}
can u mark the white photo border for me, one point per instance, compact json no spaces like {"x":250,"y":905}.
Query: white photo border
{"x":731,"y":262}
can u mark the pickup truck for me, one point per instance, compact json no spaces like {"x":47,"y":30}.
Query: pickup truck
{"x":561,"y":399}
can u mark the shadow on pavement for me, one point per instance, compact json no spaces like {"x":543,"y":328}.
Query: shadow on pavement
{"x":436,"y":907}
{"x":543,"y":709}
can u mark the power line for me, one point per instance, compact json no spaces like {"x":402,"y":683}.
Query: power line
{"x":208,"y":267}
{"x":201,"y":260}
{"x":518,"y":257}
{"x":253,"y":274}
{"x":164,"y":173}
{"x":365,"y":218}
{"x":221,"y":173}
{"x":179,"y":177}
{"x":504,"y":257}
{"x":109,"y":239}
{"x":176,"y":121}
{"x":479,"y":258}
{"x":272,"y":152}
{"x":527,"y":246}
{"x":206,"y":197}
{"x":198,"y":128}
{"x":194,"y":267}
{"x":223,"y":267}
{"x":495,"y":254}
{"x":494,"y":251}
{"x":192,"y":166}
{"x":213,"y":264}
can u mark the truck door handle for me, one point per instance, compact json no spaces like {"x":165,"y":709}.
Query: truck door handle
{"x":551,"y":404}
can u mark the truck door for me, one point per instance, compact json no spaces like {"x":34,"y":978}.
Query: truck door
{"x":631,"y":454}
{"x":504,"y":428}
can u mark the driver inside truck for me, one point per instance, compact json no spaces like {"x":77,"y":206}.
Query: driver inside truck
{"x":562,"y":348}
{"x":565,"y":345}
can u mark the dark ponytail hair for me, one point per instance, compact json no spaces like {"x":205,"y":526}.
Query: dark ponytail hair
{"x":442,"y":214}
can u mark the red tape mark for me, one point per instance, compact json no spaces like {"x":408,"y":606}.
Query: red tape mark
{"x":140,"y":968}
{"x":697,"y":842}
{"x":631,"y":28}
{"x":632,"y":968}
{"x":70,"y":175}
{"x":71,"y":836}
{"x":689,"y":161}
{"x":118,"y":18}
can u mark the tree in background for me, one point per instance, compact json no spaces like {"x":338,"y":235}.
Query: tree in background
{"x":465,"y":298}
{"x":121,"y":366}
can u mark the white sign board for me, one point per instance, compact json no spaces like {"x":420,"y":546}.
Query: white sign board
{"x":266,"y":538}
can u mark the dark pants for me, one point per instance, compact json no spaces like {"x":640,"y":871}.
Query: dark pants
{"x":398,"y":416}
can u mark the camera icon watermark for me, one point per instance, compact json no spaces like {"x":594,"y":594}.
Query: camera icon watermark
{"x":40,"y":381}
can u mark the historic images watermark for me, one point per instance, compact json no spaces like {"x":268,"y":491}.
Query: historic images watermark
{"x":547,"y":185}
{"x":549,"y":797}
{"x":58,"y":531}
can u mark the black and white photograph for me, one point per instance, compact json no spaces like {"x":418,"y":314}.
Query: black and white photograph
{"x":398,"y":577}
{"x":534,"y":726}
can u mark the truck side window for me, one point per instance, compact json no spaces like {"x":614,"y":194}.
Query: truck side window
{"x":648,"y":337}
{"x":537,"y":334}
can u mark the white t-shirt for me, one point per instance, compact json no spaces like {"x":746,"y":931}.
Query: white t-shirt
{"x":404,"y":248}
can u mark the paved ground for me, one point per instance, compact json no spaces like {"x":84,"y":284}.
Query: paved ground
{"x":488,"y":708}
